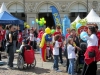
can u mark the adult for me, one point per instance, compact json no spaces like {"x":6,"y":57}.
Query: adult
{"x":2,"y":37}
{"x":35,"y":38}
{"x":98,"y":35}
{"x":92,"y":54}
{"x":68,"y":32}
{"x":25,"y":33}
{"x":15,"y":38}
{"x":9,"y":46}
{"x":58,"y":32}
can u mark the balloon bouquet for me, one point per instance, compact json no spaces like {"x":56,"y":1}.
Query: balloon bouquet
{"x":41,"y":22}
{"x":81,"y":28}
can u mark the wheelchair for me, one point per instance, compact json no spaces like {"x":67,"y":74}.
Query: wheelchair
{"x":26,"y":61}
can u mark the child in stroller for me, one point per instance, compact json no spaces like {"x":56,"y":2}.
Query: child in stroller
{"x":26,"y":56}
{"x":80,"y":59}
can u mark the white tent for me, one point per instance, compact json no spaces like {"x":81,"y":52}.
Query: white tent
{"x":78,"y":18}
{"x":3,"y":8}
{"x":92,"y":17}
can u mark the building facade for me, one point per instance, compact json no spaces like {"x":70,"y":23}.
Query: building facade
{"x":29,"y":10}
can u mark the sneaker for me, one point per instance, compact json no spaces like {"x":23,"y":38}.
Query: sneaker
{"x":54,"y":69}
{"x":58,"y":70}
{"x":12,"y":68}
{"x":75,"y":74}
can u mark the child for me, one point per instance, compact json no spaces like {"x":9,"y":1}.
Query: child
{"x":47,"y":49}
{"x":71,"y":56}
{"x":38,"y":42}
{"x":23,"y":46}
{"x":56,"y":53}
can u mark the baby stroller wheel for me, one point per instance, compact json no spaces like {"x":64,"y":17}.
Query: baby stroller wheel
{"x":20,"y":62}
{"x":33,"y":64}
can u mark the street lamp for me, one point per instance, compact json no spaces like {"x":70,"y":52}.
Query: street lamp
{"x":24,"y":9}
{"x":87,"y":6}
{"x":16,"y":10}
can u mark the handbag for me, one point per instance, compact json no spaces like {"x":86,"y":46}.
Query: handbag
{"x":92,"y":54}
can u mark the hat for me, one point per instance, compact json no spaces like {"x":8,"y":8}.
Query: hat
{"x":24,"y":41}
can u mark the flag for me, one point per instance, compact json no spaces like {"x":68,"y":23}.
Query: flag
{"x":56,"y":16}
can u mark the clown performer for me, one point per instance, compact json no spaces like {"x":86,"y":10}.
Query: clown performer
{"x":46,"y":38}
{"x":58,"y":32}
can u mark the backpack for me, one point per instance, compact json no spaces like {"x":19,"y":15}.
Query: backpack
{"x":29,"y":56}
{"x":83,"y":47}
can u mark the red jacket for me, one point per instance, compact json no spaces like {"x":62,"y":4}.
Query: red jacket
{"x":90,"y":49}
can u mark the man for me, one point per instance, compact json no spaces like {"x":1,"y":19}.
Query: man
{"x":58,"y":32}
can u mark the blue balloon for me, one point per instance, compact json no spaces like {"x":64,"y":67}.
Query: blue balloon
{"x":78,"y":25}
{"x":82,"y":35}
{"x":33,"y":22}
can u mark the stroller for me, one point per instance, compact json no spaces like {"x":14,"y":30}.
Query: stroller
{"x":80,"y":59}
{"x":26,"y":58}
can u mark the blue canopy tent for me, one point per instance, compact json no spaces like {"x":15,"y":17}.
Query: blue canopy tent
{"x":6,"y":18}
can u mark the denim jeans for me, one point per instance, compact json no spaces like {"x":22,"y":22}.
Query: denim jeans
{"x":60,"y":55}
{"x":14,"y":45}
{"x":55,"y":66}
{"x":71,"y":66}
{"x":10,"y":56}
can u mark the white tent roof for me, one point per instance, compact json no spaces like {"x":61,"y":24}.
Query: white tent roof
{"x":93,"y":17}
{"x":78,"y":18}
{"x":3,"y":8}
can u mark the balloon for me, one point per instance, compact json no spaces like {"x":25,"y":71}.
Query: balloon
{"x":78,"y":25}
{"x":37,"y":20}
{"x":82,"y":35}
{"x":27,"y":26}
{"x":47,"y":30}
{"x":73,"y":25}
{"x":44,"y":22}
{"x":41,"y":23}
{"x":33,"y":22}
{"x":25,"y":23}
{"x":52,"y":31}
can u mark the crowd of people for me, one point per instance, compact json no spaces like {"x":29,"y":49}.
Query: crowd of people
{"x":12,"y":38}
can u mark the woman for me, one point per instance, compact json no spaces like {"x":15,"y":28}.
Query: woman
{"x":92,"y":53}
{"x":9,"y":45}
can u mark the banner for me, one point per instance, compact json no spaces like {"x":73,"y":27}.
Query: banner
{"x":56,"y":16}
{"x":66,"y":24}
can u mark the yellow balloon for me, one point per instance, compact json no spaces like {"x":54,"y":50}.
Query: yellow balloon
{"x":44,"y":22}
{"x":48,"y":30}
{"x":36,"y":20}
{"x":27,"y":26}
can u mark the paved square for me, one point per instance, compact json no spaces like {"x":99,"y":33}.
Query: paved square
{"x":42,"y":68}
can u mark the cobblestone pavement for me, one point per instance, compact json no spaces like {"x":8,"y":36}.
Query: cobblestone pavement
{"x":42,"y":68}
